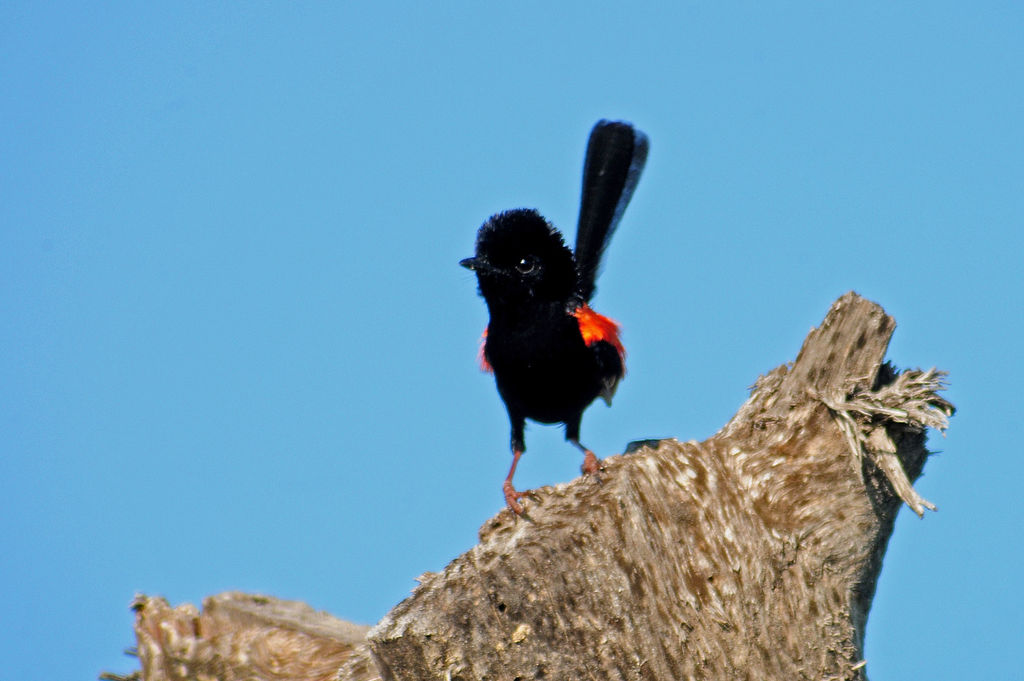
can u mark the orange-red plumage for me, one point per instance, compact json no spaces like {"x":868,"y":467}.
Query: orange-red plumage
{"x":596,"y":327}
{"x":481,"y":356}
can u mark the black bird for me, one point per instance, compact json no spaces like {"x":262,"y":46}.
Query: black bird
{"x":550,"y":353}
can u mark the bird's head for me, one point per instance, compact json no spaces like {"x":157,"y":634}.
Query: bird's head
{"x":520,"y":256}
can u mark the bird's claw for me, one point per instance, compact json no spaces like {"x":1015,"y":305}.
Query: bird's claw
{"x":591,"y":464}
{"x":512,"y":497}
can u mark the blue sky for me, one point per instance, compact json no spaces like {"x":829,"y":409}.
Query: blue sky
{"x":237,"y":351}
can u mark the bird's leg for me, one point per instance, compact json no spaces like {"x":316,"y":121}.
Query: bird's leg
{"x":512,"y":497}
{"x":591,"y":464}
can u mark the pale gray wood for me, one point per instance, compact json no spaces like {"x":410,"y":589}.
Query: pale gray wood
{"x":751,"y":555}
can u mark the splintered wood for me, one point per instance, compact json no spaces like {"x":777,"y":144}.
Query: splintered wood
{"x":753,"y":554}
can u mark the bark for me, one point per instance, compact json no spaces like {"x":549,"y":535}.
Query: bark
{"x":753,"y":554}
{"x":241,"y":637}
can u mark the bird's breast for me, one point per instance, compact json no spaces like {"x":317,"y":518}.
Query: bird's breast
{"x":544,"y":370}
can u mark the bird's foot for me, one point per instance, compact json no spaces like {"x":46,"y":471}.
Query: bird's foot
{"x":591,"y":464}
{"x":512,"y":497}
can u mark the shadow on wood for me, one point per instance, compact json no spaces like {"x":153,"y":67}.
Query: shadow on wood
{"x":754,"y":554}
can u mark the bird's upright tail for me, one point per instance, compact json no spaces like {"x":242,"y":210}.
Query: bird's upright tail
{"x":616,"y":154}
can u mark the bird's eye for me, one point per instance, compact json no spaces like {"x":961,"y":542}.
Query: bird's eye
{"x":527,"y":264}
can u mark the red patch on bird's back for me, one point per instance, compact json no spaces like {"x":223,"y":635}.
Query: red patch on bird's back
{"x":596,"y":327}
{"x":481,"y":356}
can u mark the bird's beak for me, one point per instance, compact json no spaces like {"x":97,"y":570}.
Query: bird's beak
{"x":480,"y":266}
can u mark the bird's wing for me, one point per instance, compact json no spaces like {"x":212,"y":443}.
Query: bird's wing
{"x":601,"y":335}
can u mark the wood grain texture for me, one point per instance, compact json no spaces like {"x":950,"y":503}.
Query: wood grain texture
{"x":240,"y":637}
{"x":752,"y":555}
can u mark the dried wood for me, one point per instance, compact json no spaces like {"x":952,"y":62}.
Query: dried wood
{"x":751,"y":555}
{"x":243,"y":637}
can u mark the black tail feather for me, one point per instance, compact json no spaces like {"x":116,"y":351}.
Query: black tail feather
{"x":616,"y":154}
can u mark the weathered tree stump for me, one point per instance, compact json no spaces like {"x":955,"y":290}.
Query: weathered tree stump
{"x":754,"y":554}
